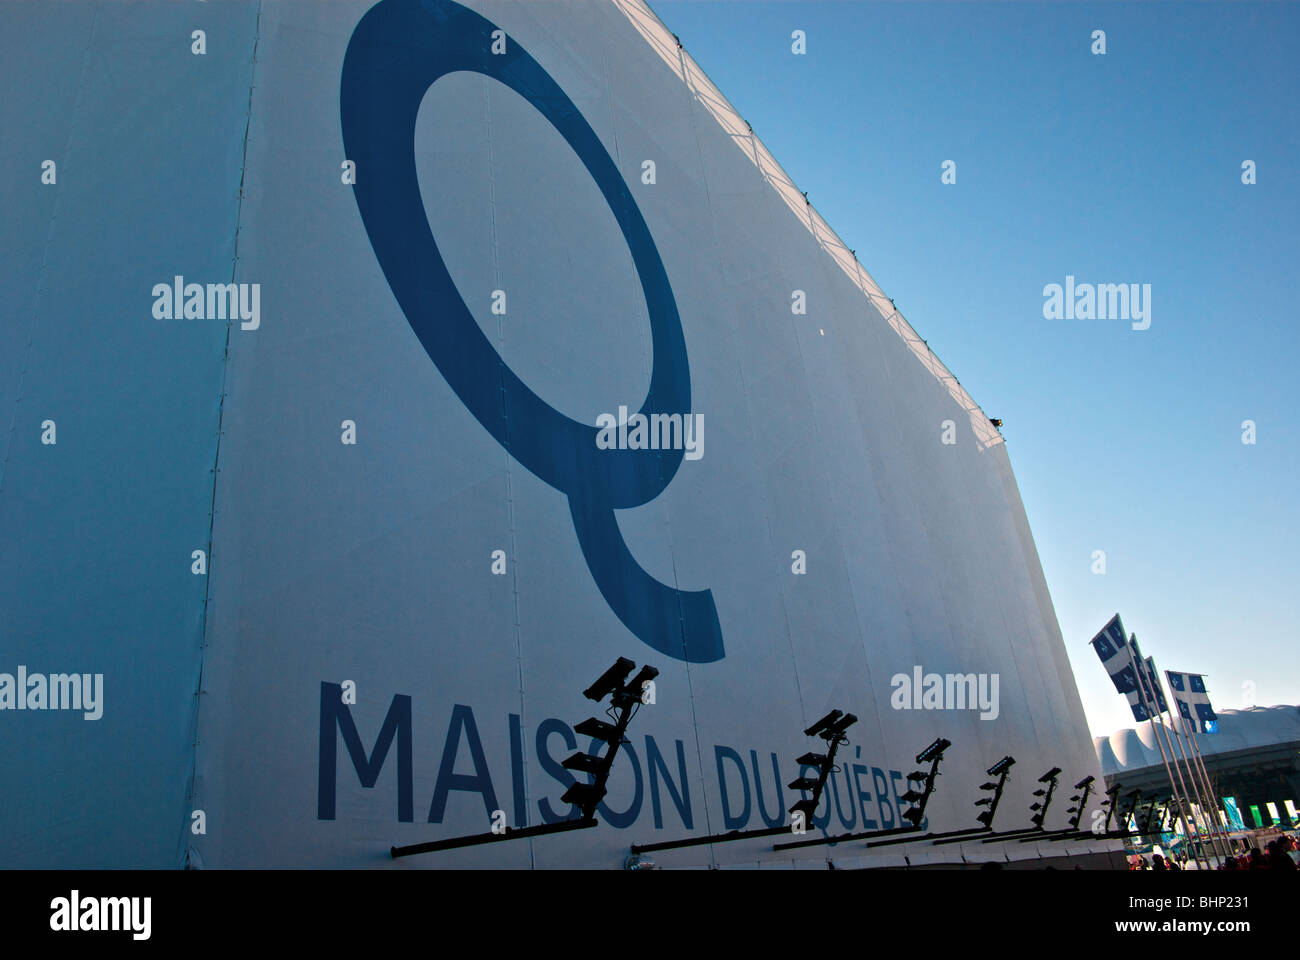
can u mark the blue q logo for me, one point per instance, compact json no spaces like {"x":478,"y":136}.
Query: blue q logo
{"x":398,"y":50}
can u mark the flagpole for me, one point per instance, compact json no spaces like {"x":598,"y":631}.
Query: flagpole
{"x":1215,"y":841}
{"x":1184,"y":801}
{"x":1207,"y":786}
{"x":1223,"y":828}
{"x":1138,"y":666}
{"x":1194,"y":736}
{"x":1227,"y":826}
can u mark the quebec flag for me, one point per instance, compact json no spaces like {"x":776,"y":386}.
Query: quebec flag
{"x":1112,"y":648}
{"x":1155,"y":693}
{"x":1193,"y":700}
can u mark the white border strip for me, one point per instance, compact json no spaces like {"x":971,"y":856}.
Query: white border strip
{"x":664,"y":42}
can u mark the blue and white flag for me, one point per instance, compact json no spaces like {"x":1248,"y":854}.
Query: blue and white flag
{"x":1154,"y":689}
{"x":1150,"y":699}
{"x":1193,"y":701}
{"x":1138,"y":705}
{"x":1112,"y":647}
{"x":1155,"y":683}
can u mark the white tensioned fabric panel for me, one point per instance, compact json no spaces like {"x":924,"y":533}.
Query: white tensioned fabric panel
{"x":822,"y":436}
{"x":121,"y":161}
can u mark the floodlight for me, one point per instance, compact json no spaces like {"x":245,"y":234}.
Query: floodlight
{"x":643,"y":676}
{"x":918,"y":775}
{"x":911,"y":796}
{"x":584,"y":795}
{"x":808,"y":807}
{"x":582,"y":762}
{"x":823,"y":723}
{"x":1001,"y":765}
{"x":842,"y":724}
{"x":610,"y":680}
{"x":933,"y":751}
{"x":830,"y":728}
{"x":599,"y":730}
{"x":990,"y":785}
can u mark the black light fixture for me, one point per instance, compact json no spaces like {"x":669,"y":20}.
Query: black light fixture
{"x":1048,"y":778}
{"x":823,"y":723}
{"x":1085,"y":788}
{"x":582,"y":762}
{"x":1110,"y":805}
{"x":842,"y":724}
{"x":1133,"y":800}
{"x":625,"y":699}
{"x":931,"y":755}
{"x":644,"y":676}
{"x":831,"y":729}
{"x":1001,"y":770}
{"x":1003,"y":765}
{"x":610,"y":680}
{"x":934,"y":751}
{"x":599,"y":730}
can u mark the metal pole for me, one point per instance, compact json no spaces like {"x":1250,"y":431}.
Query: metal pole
{"x":478,"y":838}
{"x":1193,"y":736}
{"x":1156,"y":694}
{"x":1197,"y":840}
{"x":1215,"y":843}
{"x":1218,"y":799}
{"x":1139,"y":667}
{"x":1194,"y":775}
{"x":1198,"y":767}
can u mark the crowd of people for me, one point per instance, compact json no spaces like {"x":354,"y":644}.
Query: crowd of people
{"x":1281,"y":853}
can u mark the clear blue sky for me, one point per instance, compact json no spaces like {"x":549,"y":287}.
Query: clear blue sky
{"x":1117,"y":168}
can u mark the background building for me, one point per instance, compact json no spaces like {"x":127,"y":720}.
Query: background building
{"x":346,"y":561}
{"x":1253,"y":758}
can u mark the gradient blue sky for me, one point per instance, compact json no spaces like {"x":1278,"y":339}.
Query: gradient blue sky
{"x":1117,"y":168}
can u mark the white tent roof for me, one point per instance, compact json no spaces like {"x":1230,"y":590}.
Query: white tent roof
{"x":1133,"y":748}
